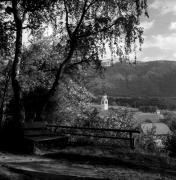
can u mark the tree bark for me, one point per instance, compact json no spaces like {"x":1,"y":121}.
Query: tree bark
{"x":5,"y":91}
{"x":19,"y":114}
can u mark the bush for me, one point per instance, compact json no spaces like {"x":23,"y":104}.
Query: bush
{"x":170,"y":120}
{"x":170,"y":141}
{"x":146,"y":141}
{"x":170,"y":144}
{"x":89,"y":119}
{"x":111,"y":119}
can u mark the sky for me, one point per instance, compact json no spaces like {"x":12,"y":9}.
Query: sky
{"x":159,"y":31}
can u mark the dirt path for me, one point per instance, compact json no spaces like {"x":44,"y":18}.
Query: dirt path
{"x":18,"y":167}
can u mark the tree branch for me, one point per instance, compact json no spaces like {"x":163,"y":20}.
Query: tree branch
{"x":87,"y":34}
{"x":82,"y":17}
{"x":67,"y":25}
{"x":24,"y":16}
{"x":90,"y":4}
{"x":82,"y":61}
{"x":29,"y":27}
{"x":16,"y":14}
{"x":61,"y":69}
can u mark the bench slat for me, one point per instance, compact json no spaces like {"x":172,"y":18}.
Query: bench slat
{"x":46,"y":138}
{"x":97,"y":136}
{"x":37,"y":133}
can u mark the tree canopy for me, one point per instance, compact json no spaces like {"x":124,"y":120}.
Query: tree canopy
{"x":81,"y":28}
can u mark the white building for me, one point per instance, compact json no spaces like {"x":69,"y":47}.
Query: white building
{"x":104,"y":102}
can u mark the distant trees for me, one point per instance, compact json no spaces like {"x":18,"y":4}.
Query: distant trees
{"x":170,"y":143}
{"x":83,"y":27}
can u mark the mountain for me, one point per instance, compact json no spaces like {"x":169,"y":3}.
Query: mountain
{"x":153,"y":79}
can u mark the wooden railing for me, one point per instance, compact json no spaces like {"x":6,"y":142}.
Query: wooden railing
{"x":92,"y":132}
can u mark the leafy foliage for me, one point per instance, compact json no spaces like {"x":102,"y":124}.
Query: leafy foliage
{"x":38,"y":72}
{"x":88,"y":24}
{"x":147,"y":141}
{"x":170,"y":144}
{"x":80,"y":31}
{"x":82,"y":28}
{"x":170,"y":120}
{"x":71,"y":103}
{"x":94,"y":118}
{"x":114,"y":118}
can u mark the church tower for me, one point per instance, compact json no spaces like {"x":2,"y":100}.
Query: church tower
{"x":104,"y":102}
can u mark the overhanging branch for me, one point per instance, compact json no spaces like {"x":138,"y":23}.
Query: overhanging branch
{"x":105,"y":29}
{"x":82,"y":17}
{"x":82,"y":61}
{"x":61,"y":69}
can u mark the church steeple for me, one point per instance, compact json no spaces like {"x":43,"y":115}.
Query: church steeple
{"x":104,"y":102}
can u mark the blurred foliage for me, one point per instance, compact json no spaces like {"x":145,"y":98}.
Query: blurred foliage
{"x":113,"y":118}
{"x":72,"y":101}
{"x":170,"y":142}
{"x":169,"y":119}
{"x":146,"y":141}
{"x":39,"y":65}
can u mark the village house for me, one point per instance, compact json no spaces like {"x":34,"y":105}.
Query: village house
{"x":159,"y":131}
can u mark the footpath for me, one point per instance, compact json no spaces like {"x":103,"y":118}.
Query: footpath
{"x":78,"y":164}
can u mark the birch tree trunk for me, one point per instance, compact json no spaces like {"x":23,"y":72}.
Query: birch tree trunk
{"x":19,"y":114}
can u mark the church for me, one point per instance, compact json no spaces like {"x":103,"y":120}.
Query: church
{"x":104,"y":103}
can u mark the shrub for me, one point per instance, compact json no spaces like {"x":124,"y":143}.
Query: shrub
{"x":170,"y":144}
{"x":170,"y":141}
{"x":111,"y":119}
{"x":170,"y":120}
{"x":147,"y":141}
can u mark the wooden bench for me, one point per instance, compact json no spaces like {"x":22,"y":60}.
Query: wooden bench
{"x":38,"y":137}
{"x":97,"y":132}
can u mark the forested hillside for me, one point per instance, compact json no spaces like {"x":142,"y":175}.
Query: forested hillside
{"x":154,"y":79}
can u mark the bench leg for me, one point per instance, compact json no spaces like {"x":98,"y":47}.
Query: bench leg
{"x":131,"y":141}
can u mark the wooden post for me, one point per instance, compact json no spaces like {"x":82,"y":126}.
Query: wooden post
{"x":131,"y":140}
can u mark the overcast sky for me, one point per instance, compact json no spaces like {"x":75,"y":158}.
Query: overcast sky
{"x":159,"y":31}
